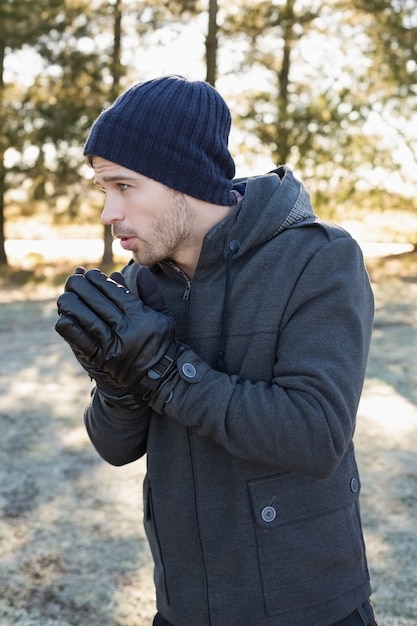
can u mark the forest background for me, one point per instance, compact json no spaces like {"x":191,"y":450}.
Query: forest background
{"x":330,"y":88}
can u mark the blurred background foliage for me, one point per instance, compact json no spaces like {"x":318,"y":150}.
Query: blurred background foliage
{"x":330,"y":88}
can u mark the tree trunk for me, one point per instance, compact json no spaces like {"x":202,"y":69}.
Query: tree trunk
{"x":3,"y":256}
{"x":284,"y":118}
{"x":108,"y":246}
{"x":211,"y":43}
{"x":115,"y":72}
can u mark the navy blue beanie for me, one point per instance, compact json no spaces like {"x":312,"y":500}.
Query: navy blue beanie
{"x":172,"y":130}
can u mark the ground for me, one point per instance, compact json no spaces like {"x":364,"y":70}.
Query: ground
{"x":73,"y":552}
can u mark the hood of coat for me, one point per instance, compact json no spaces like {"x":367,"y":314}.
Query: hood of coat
{"x":271,"y":203}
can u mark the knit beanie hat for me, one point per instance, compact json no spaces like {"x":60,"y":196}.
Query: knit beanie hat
{"x":172,"y":130}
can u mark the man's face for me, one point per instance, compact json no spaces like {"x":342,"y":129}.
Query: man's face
{"x":151,"y":220}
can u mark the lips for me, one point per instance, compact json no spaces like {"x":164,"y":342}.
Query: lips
{"x":126,"y":242}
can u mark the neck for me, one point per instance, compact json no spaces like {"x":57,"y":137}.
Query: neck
{"x":206,"y":216}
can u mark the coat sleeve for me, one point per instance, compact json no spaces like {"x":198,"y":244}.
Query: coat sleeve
{"x":118,"y":428}
{"x":118,"y":433}
{"x":301,"y":421}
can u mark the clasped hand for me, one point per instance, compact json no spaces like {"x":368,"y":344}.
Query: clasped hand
{"x":110,"y":329}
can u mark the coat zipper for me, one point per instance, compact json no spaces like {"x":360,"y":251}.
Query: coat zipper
{"x":187,"y":289}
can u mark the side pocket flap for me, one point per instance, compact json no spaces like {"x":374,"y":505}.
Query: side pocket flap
{"x":283,"y":498}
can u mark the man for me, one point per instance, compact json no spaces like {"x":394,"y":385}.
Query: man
{"x":232,"y":351}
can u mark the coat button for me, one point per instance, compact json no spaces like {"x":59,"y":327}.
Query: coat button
{"x":189,"y":370}
{"x":268,"y":514}
{"x":354,"y":485}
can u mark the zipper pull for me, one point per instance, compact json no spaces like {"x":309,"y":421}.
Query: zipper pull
{"x":187,"y":290}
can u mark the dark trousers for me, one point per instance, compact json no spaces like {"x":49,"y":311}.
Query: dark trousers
{"x":362,"y":616}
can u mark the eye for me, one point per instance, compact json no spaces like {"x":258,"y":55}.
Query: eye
{"x":123,"y":186}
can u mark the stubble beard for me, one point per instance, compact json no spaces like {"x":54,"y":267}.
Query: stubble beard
{"x":171,"y":233}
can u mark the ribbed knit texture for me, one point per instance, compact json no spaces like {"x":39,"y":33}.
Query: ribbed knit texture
{"x":172,"y":130}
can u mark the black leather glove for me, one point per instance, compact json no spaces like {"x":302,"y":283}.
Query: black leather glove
{"x":118,"y":339}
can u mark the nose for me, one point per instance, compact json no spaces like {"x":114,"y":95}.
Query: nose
{"x":112,"y":210}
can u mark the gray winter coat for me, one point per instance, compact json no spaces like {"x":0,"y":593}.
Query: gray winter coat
{"x":251,"y":495}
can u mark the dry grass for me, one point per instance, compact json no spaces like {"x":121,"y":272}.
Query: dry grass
{"x":72,"y":544}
